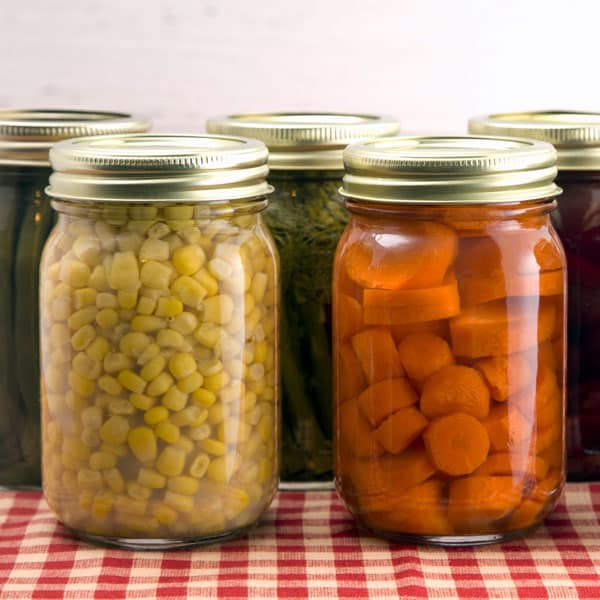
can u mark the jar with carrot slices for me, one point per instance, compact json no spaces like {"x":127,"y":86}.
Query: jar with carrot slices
{"x":307,"y":218}
{"x":576,"y":136}
{"x":448,"y":328}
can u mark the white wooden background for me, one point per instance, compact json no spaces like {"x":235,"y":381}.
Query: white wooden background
{"x":432,"y":63}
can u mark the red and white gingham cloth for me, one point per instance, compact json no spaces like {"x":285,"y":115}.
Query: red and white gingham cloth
{"x":306,"y":547}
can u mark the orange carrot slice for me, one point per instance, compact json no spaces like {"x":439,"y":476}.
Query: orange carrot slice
{"x":477,"y":290}
{"x":349,"y":316}
{"x":423,"y":354}
{"x":386,"y":397}
{"x":501,"y":327}
{"x":401,"y":429}
{"x":527,"y":514}
{"x":542,"y":402}
{"x":376,"y":478}
{"x":455,"y":388}
{"x":350,"y":379}
{"x":377,"y":354}
{"x":355,"y":433}
{"x":505,"y":374}
{"x":457,"y":443}
{"x":401,"y":307}
{"x":553,"y":456}
{"x":549,"y":436}
{"x":508,"y":429}
{"x":548,"y":488}
{"x":418,"y":510}
{"x":545,"y":356}
{"x":514,"y":463}
{"x":474,"y":503}
{"x":439,"y":328}
{"x":415,"y":255}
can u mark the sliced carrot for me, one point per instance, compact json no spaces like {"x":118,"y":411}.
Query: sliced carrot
{"x":349,"y":377}
{"x":455,"y":388}
{"x":553,"y":456}
{"x":548,"y":488}
{"x":548,"y":436}
{"x":457,"y":443}
{"x":401,"y":429}
{"x":505,"y":375}
{"x":502,"y":327}
{"x":548,"y":254}
{"x":542,"y":402}
{"x":374,"y":479}
{"x":348,"y":317}
{"x":423,"y":354}
{"x":545,"y":356}
{"x":386,"y":397}
{"x":478,"y":257}
{"x":558,"y":346}
{"x":401,"y":307}
{"x":355,"y":433}
{"x":377,"y":354}
{"x":477,"y":290}
{"x":527,"y":514}
{"x":475,"y":503}
{"x":419,"y":510}
{"x":439,"y":328}
{"x":514,"y":463}
{"x":415,"y":255}
{"x":508,"y":429}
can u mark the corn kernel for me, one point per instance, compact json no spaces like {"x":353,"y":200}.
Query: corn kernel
{"x":115,"y":430}
{"x":183,"y":484}
{"x":156,"y":275}
{"x":74,"y":273}
{"x":129,"y":241}
{"x":141,"y":402}
{"x":151,"y":479}
{"x":132,"y":382}
{"x":127,"y":299}
{"x":200,"y":432}
{"x":134,"y":343}
{"x":155,"y":415}
{"x":181,"y":503}
{"x":265,"y":427}
{"x":60,"y":309}
{"x":106,"y":300}
{"x":148,"y":354}
{"x":102,"y":504}
{"x":207,"y":281}
{"x":142,"y":442}
{"x":146,"y":305}
{"x":102,"y":460}
{"x":89,"y":478}
{"x":220,"y":269}
{"x":218,"y":309}
{"x":147,"y":323}
{"x":90,"y":437}
{"x":199,"y":466}
{"x":248,"y":401}
{"x":192,"y":415}
{"x":169,"y":338}
{"x":159,"y":385}
{"x":167,"y":432}
{"x":174,"y":399}
{"x":235,"y":501}
{"x":82,"y":317}
{"x":258,"y":286}
{"x":184,"y":323}
{"x":232,"y":431}
{"x":217,"y":381}
{"x":92,"y":417}
{"x":154,"y":249}
{"x":214,"y":447}
{"x":169,"y":307}
{"x":217,"y":412}
{"x":120,"y":406}
{"x":208,"y":334}
{"x":60,"y":335}
{"x":190,"y":383}
{"x":84,"y":297}
{"x":189,"y":291}
{"x":220,"y":470}
{"x":116,"y":361}
{"x":188,"y":259}
{"x":128,"y":507}
{"x":153,"y":368}
{"x":184,"y":443}
{"x":124,"y":273}
{"x":171,"y":461}
{"x":138,"y":491}
{"x":164,"y":514}
{"x":202,"y":397}
{"x":98,"y":348}
{"x":158,"y":230}
{"x":107,"y":318}
{"x":114,"y":480}
{"x":82,"y":385}
{"x":182,"y":364}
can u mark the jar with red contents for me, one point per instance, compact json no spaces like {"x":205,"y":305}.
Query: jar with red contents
{"x":576,"y":137}
{"x":448,"y":327}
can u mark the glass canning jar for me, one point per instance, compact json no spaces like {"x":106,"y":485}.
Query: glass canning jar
{"x":25,"y":221}
{"x":448,"y":327}
{"x":306,"y":216}
{"x":159,"y":332}
{"x":576,"y":136}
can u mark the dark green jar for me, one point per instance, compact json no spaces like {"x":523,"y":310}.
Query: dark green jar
{"x":306,"y":218}
{"x":26,"y":219}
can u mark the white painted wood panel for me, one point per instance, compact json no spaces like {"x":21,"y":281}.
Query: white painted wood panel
{"x":431,"y":63}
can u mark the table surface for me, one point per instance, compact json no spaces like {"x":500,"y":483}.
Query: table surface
{"x":307,"y":546}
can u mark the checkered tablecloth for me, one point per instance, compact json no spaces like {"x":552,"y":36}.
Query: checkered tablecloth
{"x":306,"y":547}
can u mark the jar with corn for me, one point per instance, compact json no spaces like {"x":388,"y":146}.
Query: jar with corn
{"x":159,"y":326}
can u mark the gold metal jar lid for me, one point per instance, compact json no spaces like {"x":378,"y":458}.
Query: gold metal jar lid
{"x":576,"y":135}
{"x":26,"y":136}
{"x":450,"y":170}
{"x":159,"y":168}
{"x":305,"y":141}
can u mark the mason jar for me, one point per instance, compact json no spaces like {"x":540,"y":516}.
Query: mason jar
{"x":448,"y":330}
{"x":306,"y":217}
{"x":576,"y":136}
{"x":159,"y":328}
{"x":25,"y":221}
